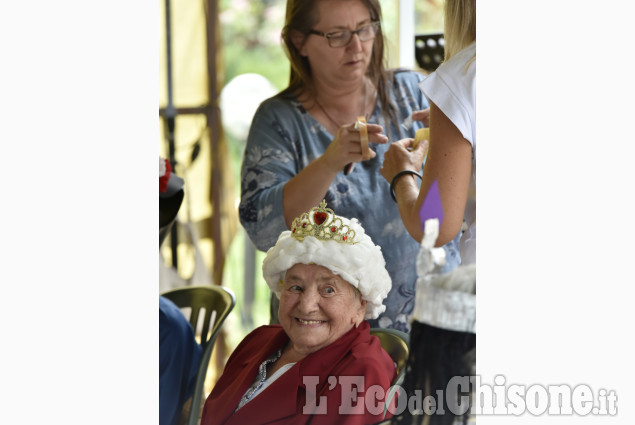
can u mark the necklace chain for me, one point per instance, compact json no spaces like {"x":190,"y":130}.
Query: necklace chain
{"x":338,"y":125}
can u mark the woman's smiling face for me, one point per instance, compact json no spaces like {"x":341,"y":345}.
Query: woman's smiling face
{"x":317,"y":307}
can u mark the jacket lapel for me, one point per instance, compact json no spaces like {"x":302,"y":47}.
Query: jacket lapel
{"x":284,"y":399}
{"x":276,"y":403}
{"x":270,"y":407}
{"x":235,"y":381}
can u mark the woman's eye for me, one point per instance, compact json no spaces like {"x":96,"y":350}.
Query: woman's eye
{"x":329,"y":290}
{"x":364,"y":31}
{"x":295,"y":288}
{"x":338,"y":35}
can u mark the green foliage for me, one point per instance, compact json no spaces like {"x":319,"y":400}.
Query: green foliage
{"x":428,"y":16}
{"x":251,"y":39}
{"x":266,"y":62}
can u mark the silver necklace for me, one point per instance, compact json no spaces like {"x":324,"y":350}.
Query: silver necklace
{"x":338,"y":125}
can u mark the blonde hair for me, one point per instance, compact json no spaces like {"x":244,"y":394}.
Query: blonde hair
{"x":460,"y":26}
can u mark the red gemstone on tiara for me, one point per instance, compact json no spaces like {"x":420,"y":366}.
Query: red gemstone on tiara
{"x":319,"y":217}
{"x":344,"y":238}
{"x":333,"y":229}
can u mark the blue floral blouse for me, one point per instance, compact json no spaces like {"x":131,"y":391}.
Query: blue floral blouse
{"x":284,"y":138}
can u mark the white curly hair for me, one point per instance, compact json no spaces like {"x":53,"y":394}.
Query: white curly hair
{"x":361,"y":263}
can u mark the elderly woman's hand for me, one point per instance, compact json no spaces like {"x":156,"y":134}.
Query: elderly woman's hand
{"x":401,"y":156}
{"x":347,"y":148}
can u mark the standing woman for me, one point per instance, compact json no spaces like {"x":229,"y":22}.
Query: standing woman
{"x":303,"y":138}
{"x":443,"y":334}
{"x":451,"y":161}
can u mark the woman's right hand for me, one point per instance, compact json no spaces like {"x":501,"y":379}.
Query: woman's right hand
{"x":347,"y":147}
{"x":306,"y":189}
{"x":402,"y":156}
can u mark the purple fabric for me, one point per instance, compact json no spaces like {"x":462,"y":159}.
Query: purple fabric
{"x":431,"y":207}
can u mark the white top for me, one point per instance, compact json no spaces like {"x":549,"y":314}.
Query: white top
{"x":443,"y":300}
{"x":452,"y":87}
{"x":277,"y":374}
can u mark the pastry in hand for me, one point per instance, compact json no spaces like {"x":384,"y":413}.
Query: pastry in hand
{"x":422,"y":133}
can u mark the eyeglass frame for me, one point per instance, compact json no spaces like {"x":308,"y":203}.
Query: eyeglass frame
{"x":375,"y":24}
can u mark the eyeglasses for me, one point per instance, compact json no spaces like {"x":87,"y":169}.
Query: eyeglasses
{"x":342,"y":38}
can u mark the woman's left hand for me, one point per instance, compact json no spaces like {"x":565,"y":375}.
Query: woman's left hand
{"x":346,"y":147}
{"x":399,"y":157}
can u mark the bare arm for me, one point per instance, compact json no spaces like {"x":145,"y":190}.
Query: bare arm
{"x":305,"y":190}
{"x":449,"y":162}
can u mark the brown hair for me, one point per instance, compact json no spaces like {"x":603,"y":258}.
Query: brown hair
{"x":301,"y":16}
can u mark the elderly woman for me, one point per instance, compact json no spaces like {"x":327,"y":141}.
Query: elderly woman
{"x":320,"y":364}
{"x":302,"y":141}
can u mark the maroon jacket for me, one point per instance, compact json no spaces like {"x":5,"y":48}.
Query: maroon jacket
{"x":355,"y":354}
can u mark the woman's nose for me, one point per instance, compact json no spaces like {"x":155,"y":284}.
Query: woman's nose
{"x":355,"y":44}
{"x":309,"y":301}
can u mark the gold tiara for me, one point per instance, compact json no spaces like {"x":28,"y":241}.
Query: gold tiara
{"x":322,"y":223}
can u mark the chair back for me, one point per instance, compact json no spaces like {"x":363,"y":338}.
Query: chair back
{"x":395,"y":343}
{"x":209,"y":298}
